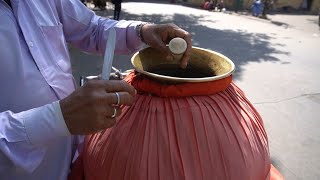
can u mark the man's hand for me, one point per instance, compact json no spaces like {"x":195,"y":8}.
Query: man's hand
{"x":158,"y":36}
{"x":89,"y":109}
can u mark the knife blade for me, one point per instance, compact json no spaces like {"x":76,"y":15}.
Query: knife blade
{"x":108,"y":54}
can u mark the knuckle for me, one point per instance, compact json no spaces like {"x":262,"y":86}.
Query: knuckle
{"x":124,"y":83}
{"x":91,"y":83}
{"x":125,"y":86}
{"x":93,"y":97}
{"x":171,"y":25}
{"x":187,"y":35}
{"x":121,"y":84}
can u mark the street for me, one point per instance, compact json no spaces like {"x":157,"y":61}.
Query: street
{"x":276,"y":66}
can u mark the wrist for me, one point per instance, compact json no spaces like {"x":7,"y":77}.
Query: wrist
{"x":139,"y":31}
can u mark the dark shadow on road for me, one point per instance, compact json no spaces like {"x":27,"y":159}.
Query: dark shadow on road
{"x":240,"y":46}
{"x":278,"y":23}
{"x":313,"y":21}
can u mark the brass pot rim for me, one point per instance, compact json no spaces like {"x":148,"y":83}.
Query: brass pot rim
{"x":164,"y":78}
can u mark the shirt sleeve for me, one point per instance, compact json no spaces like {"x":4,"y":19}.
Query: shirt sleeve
{"x":87,"y":31}
{"x":23,"y":135}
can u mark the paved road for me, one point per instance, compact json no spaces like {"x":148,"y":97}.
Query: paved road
{"x":276,"y":65}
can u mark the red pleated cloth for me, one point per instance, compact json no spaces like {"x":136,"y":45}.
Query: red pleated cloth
{"x":214,"y":133}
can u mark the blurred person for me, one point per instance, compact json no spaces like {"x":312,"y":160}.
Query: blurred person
{"x":256,"y":8}
{"x":319,"y":17}
{"x":220,"y":5}
{"x":211,"y":5}
{"x":206,"y":5}
{"x":265,"y":7}
{"x":41,"y":111}
{"x":202,"y":5}
{"x":84,"y":2}
{"x":101,"y":4}
{"x":117,"y":9}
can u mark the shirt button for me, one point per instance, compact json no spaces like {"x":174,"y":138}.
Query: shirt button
{"x":30,"y":44}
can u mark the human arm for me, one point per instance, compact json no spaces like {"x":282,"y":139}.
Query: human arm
{"x":89,"y":109}
{"x":87,"y":31}
{"x":24,"y":135}
{"x":158,"y":36}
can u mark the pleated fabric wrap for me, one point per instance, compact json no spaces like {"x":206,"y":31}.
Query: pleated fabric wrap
{"x":189,"y":131}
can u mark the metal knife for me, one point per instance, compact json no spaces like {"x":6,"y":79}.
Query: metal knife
{"x":108,"y":54}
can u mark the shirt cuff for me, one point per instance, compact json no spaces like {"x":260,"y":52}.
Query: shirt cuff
{"x":44,"y":123}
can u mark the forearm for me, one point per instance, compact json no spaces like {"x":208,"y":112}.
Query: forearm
{"x":95,"y":37}
{"x":87,"y":31}
{"x":24,"y":135}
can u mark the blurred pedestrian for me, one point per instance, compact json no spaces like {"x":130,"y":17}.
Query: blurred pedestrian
{"x":84,"y":2}
{"x":117,"y":9}
{"x":319,"y":17}
{"x":211,"y":5}
{"x":101,"y":4}
{"x":205,"y":5}
{"x":220,"y":5}
{"x":256,"y":8}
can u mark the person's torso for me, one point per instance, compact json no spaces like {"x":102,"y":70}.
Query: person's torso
{"x":35,"y":70}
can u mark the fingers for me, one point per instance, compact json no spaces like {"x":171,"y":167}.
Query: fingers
{"x":160,"y":39}
{"x":118,"y":86}
{"x":119,"y":92}
{"x":111,"y":92}
{"x":186,"y":56}
{"x":111,"y":86}
{"x":106,"y":117}
{"x":109,"y":118}
{"x":175,"y":31}
{"x":123,"y":98}
{"x":167,"y":32}
{"x":158,"y":36}
{"x":93,"y":107}
{"x":112,"y":111}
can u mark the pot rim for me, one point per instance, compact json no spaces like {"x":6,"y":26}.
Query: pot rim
{"x":179,"y":79}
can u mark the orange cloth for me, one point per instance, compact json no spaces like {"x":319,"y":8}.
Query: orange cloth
{"x":214,"y":136}
{"x":145,"y":85}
